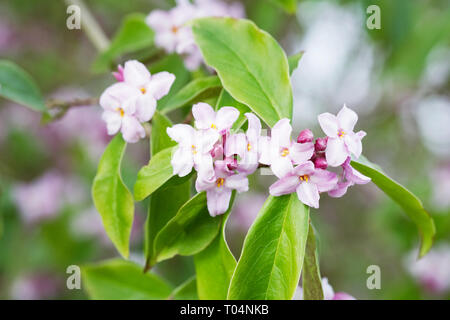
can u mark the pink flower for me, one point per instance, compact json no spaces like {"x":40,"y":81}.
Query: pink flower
{"x":246,"y":146}
{"x":206,"y":118}
{"x":328,"y":293}
{"x":218,"y":190}
{"x":307,"y":181}
{"x":342,"y":141}
{"x":281,"y":153}
{"x":119,"y":112}
{"x":350,"y":177}
{"x":194,"y":150}
{"x":119,"y":74}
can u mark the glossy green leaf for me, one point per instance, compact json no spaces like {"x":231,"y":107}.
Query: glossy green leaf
{"x":214,"y":268}
{"x":290,"y":6}
{"x":193,"y":92}
{"x":186,"y":291}
{"x":294,"y":60}
{"x":154,"y":175}
{"x":168,"y":199}
{"x":250,"y":63}
{"x":273,"y":252}
{"x":122,"y":280}
{"x":404,"y":198}
{"x":133,"y":34}
{"x":112,"y":198}
{"x":311,"y":279}
{"x":18,"y":86}
{"x":189,"y":232}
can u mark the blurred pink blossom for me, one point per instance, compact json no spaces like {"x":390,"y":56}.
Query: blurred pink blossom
{"x":35,"y":287}
{"x":328,"y":293}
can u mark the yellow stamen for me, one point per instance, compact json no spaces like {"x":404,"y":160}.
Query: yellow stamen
{"x":341,"y":133}
{"x":143,"y":90}
{"x":284,"y":152}
{"x":194,"y":149}
{"x":175,"y":29}
{"x":304,"y":178}
{"x":120,"y":110}
{"x":214,"y":126}
{"x":249,"y":147}
{"x":220,"y":182}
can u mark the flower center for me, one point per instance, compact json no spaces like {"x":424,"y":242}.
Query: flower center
{"x":143,"y":90}
{"x":284,"y":152}
{"x":304,"y":178}
{"x":220,"y":182}
{"x":194,"y":149}
{"x":341,"y":133}
{"x":175,"y":29}
{"x":249,"y":146}
{"x":121,"y":112}
{"x":213,"y":126}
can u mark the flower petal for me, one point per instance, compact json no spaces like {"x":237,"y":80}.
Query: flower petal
{"x":301,"y":152}
{"x":205,"y":140}
{"x":329,"y":124}
{"x":285,"y":185}
{"x":324,"y":180}
{"x":113,"y":121}
{"x":135,"y":73}
{"x":353,"y":144}
{"x":238,"y":182}
{"x":145,"y":107}
{"x":304,"y":168}
{"x":182,"y":161}
{"x":340,"y":189}
{"x":254,"y":127}
{"x":132,"y":130}
{"x":204,"y":115}
{"x":281,"y":134}
{"x":347,"y":119}
{"x":281,"y":166}
{"x":336,"y":152}
{"x":160,"y":84}
{"x":218,"y":200}
{"x":308,"y":193}
{"x":236,"y":144}
{"x":264,"y":150}
{"x":182,"y":134}
{"x":225,"y":118}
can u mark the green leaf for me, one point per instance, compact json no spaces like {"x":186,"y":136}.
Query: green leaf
{"x":112,"y":198}
{"x":214,"y":267}
{"x":290,"y":6}
{"x":122,"y":280}
{"x":152,"y":176}
{"x":273,"y":252}
{"x":294,"y":60}
{"x":312,"y":281}
{"x":186,"y":291}
{"x":194,"y":91}
{"x":133,"y":35}
{"x":404,"y":198}
{"x":250,"y":63}
{"x":189,"y":232}
{"x":225,"y":99}
{"x":163,"y":204}
{"x":18,"y":86}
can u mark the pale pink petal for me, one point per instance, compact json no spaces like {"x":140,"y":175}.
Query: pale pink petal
{"x":182,"y":161}
{"x":343,"y":296}
{"x":324,"y":180}
{"x":336,"y":152}
{"x":264,"y":150}
{"x":340,"y":189}
{"x":135,"y":74}
{"x":353,"y":144}
{"x":160,"y":84}
{"x":308,"y":194}
{"x":202,"y":184}
{"x":347,"y":119}
{"x":145,"y":107}
{"x":329,"y":124}
{"x":205,"y":140}
{"x":113,"y":121}
{"x":306,"y":168}
{"x":114,"y":96}
{"x":218,"y":200}
{"x":285,"y":185}
{"x":361,"y":134}
{"x":182,"y":134}
{"x":281,"y":133}
{"x":204,"y":166}
{"x":236,"y":144}
{"x":238,"y":182}
{"x":159,"y":20}
{"x":301,"y":152}
{"x":132,"y":130}
{"x":225,"y":118}
{"x":204,"y":115}
{"x":254,"y":127}
{"x":351,"y":174}
{"x":281,"y":166}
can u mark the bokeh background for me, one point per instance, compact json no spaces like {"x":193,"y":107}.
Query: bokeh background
{"x":396,"y":78}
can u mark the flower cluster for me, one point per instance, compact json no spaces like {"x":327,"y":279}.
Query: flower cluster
{"x":223,"y":160}
{"x":328,"y":292}
{"x":132,"y":100}
{"x":174,"y":35}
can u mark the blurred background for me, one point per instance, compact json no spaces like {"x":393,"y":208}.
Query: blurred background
{"x":396,"y":78}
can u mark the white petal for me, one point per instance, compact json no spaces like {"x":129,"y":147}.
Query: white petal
{"x":281,"y":133}
{"x":347,"y":119}
{"x":301,"y":152}
{"x":225,"y":118}
{"x":353,"y":143}
{"x":182,"y":161}
{"x":136,"y":74}
{"x":308,"y":194}
{"x":238,"y":182}
{"x":236,"y":144}
{"x":145,"y":107}
{"x":329,"y":124}
{"x":336,"y":152}
{"x":204,"y":115}
{"x":281,"y":166}
{"x":113,"y":121}
{"x":218,"y":200}
{"x":132,"y":130}
{"x":182,"y":134}
{"x":285,"y":185}
{"x":160,"y":84}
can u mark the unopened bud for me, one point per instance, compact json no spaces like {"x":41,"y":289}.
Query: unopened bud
{"x":305,"y":136}
{"x":321,"y":144}
{"x":320,"y":163}
{"x":119,"y":74}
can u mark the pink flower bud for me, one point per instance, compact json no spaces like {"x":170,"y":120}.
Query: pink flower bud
{"x":321,"y":144}
{"x":305,"y":136}
{"x":320,"y":163}
{"x":231,"y":163}
{"x":119,"y":74}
